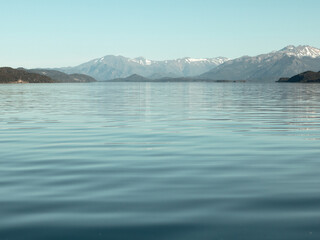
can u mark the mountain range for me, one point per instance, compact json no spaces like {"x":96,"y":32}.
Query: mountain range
{"x":111,"y":67}
{"x":268,"y":67}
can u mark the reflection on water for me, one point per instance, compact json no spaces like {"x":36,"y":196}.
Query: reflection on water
{"x":160,"y":161}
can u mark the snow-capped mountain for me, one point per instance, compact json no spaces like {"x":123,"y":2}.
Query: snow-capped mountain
{"x":301,"y":51}
{"x":110,"y":67}
{"x":286,"y":62}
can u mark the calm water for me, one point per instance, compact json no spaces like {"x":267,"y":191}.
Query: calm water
{"x":160,"y":161}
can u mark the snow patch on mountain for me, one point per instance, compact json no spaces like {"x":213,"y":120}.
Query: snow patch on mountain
{"x":145,"y":62}
{"x":142,"y":61}
{"x":218,"y":60}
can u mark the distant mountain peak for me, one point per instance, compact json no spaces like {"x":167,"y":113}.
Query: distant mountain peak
{"x":301,"y":51}
{"x":288,"y":48}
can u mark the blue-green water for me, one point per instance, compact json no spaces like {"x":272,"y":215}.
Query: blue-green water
{"x":160,"y":161}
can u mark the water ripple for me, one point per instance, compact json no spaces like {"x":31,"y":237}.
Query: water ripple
{"x":159,"y":161}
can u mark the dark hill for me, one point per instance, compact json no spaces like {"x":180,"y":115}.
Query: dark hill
{"x":77,"y":77}
{"x":63,"y":77}
{"x":10,"y":75}
{"x":305,"y":77}
{"x":132,"y":78}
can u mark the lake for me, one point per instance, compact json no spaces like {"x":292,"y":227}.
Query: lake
{"x":156,"y":161}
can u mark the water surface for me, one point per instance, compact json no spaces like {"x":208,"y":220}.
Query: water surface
{"x":160,"y":161}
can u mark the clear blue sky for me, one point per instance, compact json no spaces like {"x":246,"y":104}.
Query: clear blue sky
{"x":43,"y":33}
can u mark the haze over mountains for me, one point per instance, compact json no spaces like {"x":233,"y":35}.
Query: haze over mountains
{"x":268,"y":67}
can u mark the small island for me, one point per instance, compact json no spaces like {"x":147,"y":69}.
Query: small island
{"x":15,"y":76}
{"x":305,"y":77}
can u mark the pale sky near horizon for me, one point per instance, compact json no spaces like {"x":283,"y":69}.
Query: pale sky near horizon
{"x":43,"y":33}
